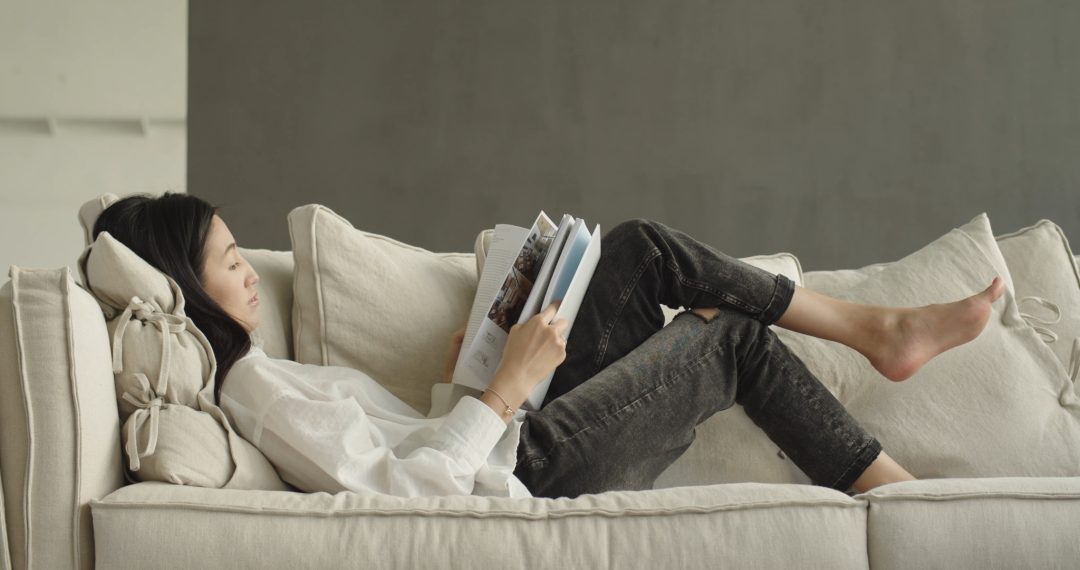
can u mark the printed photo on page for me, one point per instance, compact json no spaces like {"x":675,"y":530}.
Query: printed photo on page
{"x":513,"y":264}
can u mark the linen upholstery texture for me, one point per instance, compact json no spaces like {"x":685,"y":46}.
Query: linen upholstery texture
{"x":59,"y":425}
{"x":993,"y":522}
{"x":372,"y":303}
{"x":1006,"y":382}
{"x":739,"y":525}
{"x":1046,"y":282}
{"x":164,"y":369}
{"x":1047,"y":285}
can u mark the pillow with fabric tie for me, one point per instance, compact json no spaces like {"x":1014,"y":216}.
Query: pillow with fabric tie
{"x":1045,"y":282}
{"x":164,"y":371}
{"x":1006,"y":381}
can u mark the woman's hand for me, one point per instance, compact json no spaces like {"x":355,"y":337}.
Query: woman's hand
{"x":534,"y":349}
{"x":455,"y":350}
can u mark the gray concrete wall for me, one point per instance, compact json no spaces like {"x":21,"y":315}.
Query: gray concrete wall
{"x":845,"y":132}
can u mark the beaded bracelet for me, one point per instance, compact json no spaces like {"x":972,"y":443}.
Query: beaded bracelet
{"x":509,"y":410}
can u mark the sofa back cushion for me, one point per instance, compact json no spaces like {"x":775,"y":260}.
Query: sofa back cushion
{"x":59,"y":425}
{"x":1047,"y":285}
{"x":1045,"y":281}
{"x":369,"y":302}
{"x":1006,"y":382}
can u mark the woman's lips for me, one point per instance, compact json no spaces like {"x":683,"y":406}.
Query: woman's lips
{"x":254,"y":300}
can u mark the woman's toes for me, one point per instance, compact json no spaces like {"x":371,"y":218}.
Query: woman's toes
{"x":996,"y":288}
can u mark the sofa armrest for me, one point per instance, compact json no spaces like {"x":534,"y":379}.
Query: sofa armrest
{"x":685,"y":527}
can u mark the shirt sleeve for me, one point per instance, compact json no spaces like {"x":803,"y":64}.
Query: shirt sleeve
{"x":444,"y":395}
{"x":339,"y":438}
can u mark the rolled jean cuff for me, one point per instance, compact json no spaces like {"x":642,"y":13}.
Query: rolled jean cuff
{"x":863,"y":458}
{"x":781,"y":298}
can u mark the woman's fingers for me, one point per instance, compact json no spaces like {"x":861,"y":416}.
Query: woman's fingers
{"x":561,"y":325}
{"x":549,"y":312}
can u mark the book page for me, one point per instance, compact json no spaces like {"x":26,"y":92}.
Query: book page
{"x":540,"y":286}
{"x":505,"y":242}
{"x":568,"y":262}
{"x":580,"y":275}
{"x":509,"y":271}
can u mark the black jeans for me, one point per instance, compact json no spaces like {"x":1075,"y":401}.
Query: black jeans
{"x":624,"y":404}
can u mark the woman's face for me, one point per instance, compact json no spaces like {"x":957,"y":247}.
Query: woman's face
{"x":227,"y":277}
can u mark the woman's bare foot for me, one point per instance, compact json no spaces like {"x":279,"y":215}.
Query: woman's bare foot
{"x":911,"y":336}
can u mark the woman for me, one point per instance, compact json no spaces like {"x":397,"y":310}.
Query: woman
{"x":627,"y":391}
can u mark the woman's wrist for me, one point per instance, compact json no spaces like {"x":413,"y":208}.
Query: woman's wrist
{"x":496,"y":404}
{"x":506,"y":390}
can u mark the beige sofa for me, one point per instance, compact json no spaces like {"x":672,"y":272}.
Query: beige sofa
{"x":732,"y":500}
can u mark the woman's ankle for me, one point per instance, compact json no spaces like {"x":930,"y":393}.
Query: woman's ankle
{"x":882,"y":471}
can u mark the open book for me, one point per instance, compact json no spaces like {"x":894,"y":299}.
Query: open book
{"x":525,"y":271}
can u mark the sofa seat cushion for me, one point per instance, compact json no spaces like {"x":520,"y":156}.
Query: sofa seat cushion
{"x":997,"y":522}
{"x":743,"y":525}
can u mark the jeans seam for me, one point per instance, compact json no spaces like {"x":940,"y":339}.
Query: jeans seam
{"x":854,"y":464}
{"x":785,"y":370}
{"x":703,"y":286}
{"x":706,"y":287}
{"x":767,"y":314}
{"x":639,"y":398}
{"x":623,"y":298}
{"x":801,"y":387}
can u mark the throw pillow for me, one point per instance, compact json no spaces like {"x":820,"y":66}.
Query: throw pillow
{"x":836,"y":282}
{"x":370,"y":302}
{"x":275,"y":269}
{"x":1000,"y":405}
{"x":1047,"y":286}
{"x":1045,"y":282}
{"x":164,"y":371}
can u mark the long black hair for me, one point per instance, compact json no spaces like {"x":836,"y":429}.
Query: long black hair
{"x":169,"y":232}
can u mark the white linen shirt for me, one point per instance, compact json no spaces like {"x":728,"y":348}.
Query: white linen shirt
{"x":334,"y":428}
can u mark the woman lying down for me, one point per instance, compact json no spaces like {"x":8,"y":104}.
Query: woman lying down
{"x":626,"y":394}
